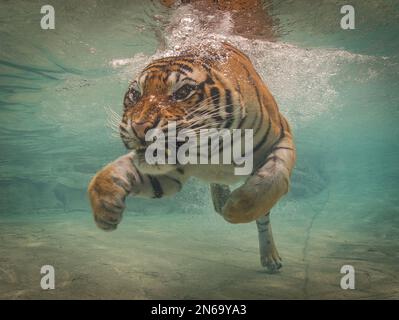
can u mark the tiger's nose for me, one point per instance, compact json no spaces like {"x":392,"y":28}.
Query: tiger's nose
{"x":141,"y":128}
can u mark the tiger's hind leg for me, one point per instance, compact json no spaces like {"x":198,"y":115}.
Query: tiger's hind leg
{"x":269,"y":256}
{"x":259,"y":194}
{"x":220,"y":194}
{"x":264,"y":187}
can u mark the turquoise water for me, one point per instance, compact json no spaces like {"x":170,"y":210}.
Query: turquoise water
{"x":338,"y":88}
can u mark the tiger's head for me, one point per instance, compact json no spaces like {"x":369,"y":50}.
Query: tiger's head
{"x":183,"y":90}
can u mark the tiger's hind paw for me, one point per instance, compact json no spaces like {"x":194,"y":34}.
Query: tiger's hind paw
{"x":271,"y":262}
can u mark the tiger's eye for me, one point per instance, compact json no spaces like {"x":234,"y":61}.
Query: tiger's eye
{"x":133,"y":95}
{"x":183,"y":92}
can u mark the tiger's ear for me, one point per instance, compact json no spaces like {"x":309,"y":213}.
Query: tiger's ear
{"x":167,"y":3}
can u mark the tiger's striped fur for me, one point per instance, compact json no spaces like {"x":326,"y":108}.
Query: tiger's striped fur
{"x":207,"y":89}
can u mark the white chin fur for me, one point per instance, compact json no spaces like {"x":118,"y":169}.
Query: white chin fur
{"x":146,"y":168}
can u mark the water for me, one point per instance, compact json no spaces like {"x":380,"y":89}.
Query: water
{"x":338,"y":88}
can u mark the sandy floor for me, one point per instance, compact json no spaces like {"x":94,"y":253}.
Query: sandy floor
{"x":189,"y":257}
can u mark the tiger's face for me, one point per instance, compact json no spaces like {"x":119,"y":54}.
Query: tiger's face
{"x":168,"y":90}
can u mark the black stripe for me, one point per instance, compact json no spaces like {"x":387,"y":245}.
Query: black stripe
{"x":238,"y":88}
{"x":201,"y":86}
{"x":229,"y":101}
{"x":156,"y":186}
{"x":204,"y":65}
{"x":263,"y":223}
{"x":184,"y":67}
{"x":125,"y":142}
{"x":229,"y":104}
{"x":257,"y":96}
{"x":253,"y":123}
{"x":258,"y":126}
{"x":264,"y":138}
{"x":229,"y":109}
{"x":179,"y":61}
{"x":134,"y":131}
{"x":221,"y":146}
{"x":209,"y":80}
{"x":215,"y":94}
{"x":229,"y":122}
{"x":168,"y":60}
{"x":130,"y":177}
{"x":151,"y":77}
{"x":217,"y":117}
{"x":162,"y":64}
{"x":200,"y":98}
{"x":121,"y":128}
{"x":180,"y":170}
{"x":119,"y":182}
{"x":175,"y":180}
{"x":158,"y":66}
{"x":140,"y":176}
{"x":282,"y":133}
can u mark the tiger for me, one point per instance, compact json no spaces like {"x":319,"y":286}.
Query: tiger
{"x":214,"y":89}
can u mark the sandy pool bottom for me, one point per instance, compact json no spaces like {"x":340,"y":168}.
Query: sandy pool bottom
{"x":188,"y":257}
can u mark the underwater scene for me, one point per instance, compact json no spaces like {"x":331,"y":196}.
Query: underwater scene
{"x":62,"y":90}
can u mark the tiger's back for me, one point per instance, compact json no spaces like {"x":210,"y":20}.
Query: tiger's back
{"x":233,"y":79}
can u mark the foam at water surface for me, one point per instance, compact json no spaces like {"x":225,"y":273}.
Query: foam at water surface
{"x":299,"y":78}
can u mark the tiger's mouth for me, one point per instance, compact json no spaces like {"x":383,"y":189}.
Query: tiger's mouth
{"x":164,"y":152}
{"x":134,"y":145}
{"x":141,"y":146}
{"x":140,"y":149}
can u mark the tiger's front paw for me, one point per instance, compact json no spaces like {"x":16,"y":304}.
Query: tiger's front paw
{"x":107,"y":194}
